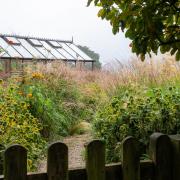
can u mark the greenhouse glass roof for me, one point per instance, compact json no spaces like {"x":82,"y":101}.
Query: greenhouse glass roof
{"x":32,"y":48}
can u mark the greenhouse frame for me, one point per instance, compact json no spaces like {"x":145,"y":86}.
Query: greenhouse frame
{"x":26,"y":48}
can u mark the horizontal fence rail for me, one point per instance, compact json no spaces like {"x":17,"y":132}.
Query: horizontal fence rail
{"x":164,"y":152}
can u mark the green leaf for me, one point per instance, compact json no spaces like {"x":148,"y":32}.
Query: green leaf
{"x":164,"y":48}
{"x":102,"y":13}
{"x":129,"y":33}
{"x":89,"y":2}
{"x":173,"y":51}
{"x":142,"y":57}
{"x":96,"y":2}
{"x":141,"y":19}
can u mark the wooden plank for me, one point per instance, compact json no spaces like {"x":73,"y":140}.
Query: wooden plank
{"x":161,"y":154}
{"x":130,"y":159}
{"x":113,"y":172}
{"x":77,"y":174}
{"x":15,"y":163}
{"x":147,"y":170}
{"x":37,"y":176}
{"x":175,"y":140}
{"x":95,"y":160}
{"x":57,"y":165}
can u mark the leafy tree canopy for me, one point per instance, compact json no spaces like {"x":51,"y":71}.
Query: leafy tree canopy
{"x":150,"y":24}
{"x":95,"y":56}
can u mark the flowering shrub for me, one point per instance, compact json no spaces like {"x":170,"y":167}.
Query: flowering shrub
{"x":55,"y":102}
{"x":138,"y":113}
{"x":17,"y":124}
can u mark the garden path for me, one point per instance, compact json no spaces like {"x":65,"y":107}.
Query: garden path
{"x":76,"y":151}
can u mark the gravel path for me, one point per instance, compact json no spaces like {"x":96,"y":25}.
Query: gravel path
{"x":76,"y":151}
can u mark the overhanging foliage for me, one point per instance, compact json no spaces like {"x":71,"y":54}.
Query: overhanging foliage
{"x":150,"y":24}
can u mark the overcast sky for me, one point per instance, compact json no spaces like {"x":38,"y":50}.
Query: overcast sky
{"x":63,"y":19}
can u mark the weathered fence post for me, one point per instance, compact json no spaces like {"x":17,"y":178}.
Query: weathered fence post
{"x":95,"y":160}
{"x":130,"y":159}
{"x":175,"y":140}
{"x":57,"y":164}
{"x":161,"y":154}
{"x":15,"y":163}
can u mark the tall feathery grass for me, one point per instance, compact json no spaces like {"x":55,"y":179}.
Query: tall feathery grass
{"x":149,"y":73}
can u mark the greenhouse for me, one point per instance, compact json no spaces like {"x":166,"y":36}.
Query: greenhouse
{"x":15,"y":48}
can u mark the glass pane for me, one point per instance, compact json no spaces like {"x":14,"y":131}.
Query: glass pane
{"x":88,"y":65}
{"x":3,"y":53}
{"x":81,"y":55}
{"x":46,"y":51}
{"x":12,"y":41}
{"x":23,"y":51}
{"x":64,"y":51}
{"x":9,"y":50}
{"x":54,"y":44}
{"x":2,"y":66}
{"x":67,"y":51}
{"x":71,"y":64}
{"x":31,"y":49}
{"x":34,"y":42}
{"x":52,"y":51}
{"x":16,"y":65}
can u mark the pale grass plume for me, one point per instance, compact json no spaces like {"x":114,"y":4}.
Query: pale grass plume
{"x":134,"y":72}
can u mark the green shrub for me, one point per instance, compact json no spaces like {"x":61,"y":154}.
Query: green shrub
{"x":17,"y":124}
{"x":138,"y":113}
{"x":55,"y":102}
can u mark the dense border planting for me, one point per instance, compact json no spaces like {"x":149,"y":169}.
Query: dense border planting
{"x":138,"y":112}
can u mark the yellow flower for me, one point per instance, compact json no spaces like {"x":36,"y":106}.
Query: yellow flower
{"x":37,"y":75}
{"x":29,"y":95}
{"x":20,"y":93}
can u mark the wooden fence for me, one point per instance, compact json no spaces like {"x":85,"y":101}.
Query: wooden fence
{"x":164,"y":164}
